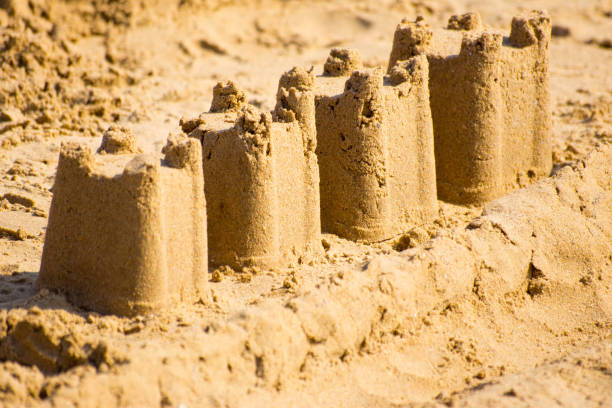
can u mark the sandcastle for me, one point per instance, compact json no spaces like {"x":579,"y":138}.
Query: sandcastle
{"x":130,"y":233}
{"x":262,"y":177}
{"x":490,"y":102}
{"x":375,"y":148}
{"x":127,"y":231}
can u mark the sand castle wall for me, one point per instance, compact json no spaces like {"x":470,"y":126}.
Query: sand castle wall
{"x":490,"y":102}
{"x":375,"y":148}
{"x":262,"y":177}
{"x":127,"y":232}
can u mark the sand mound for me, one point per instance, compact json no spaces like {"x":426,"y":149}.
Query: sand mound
{"x":49,"y":343}
{"x":47,"y":88}
{"x":565,"y":379}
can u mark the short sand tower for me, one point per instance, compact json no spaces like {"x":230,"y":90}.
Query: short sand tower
{"x":375,"y":148}
{"x":490,"y":102}
{"x":262,"y":177}
{"x":127,"y":231}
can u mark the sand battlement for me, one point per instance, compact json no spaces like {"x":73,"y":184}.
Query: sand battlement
{"x":116,"y":140}
{"x":227,"y":97}
{"x":490,"y":102}
{"x":127,"y":232}
{"x":375,"y":150}
{"x":467,"y":21}
{"x":262,"y":178}
{"x":342,"y":62}
{"x":418,"y":37}
{"x":531,"y":29}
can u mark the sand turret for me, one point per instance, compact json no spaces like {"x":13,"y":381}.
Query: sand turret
{"x":262,"y":179}
{"x":127,"y":231}
{"x":342,"y":62}
{"x":375,"y":150}
{"x":490,"y":102}
{"x":467,"y":21}
{"x":227,"y":97}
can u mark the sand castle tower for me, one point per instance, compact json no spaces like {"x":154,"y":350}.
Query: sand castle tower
{"x":375,"y":148}
{"x":490,"y":102}
{"x":262,"y":177}
{"x":127,"y":231}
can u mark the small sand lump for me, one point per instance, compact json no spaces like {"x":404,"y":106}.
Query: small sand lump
{"x":118,"y":140}
{"x":227,"y":97}
{"x":297,"y":77}
{"x":529,"y":29}
{"x":467,"y":21}
{"x":410,"y":39}
{"x":403,"y":71}
{"x":178,"y":151}
{"x":342,"y":62}
{"x":188,"y":125}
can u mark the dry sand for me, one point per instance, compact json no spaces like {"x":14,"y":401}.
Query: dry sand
{"x":508,"y":304}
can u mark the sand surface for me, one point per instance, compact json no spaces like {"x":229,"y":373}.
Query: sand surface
{"x":509,"y":304}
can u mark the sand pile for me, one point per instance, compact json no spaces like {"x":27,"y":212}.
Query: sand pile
{"x":47,"y":87}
